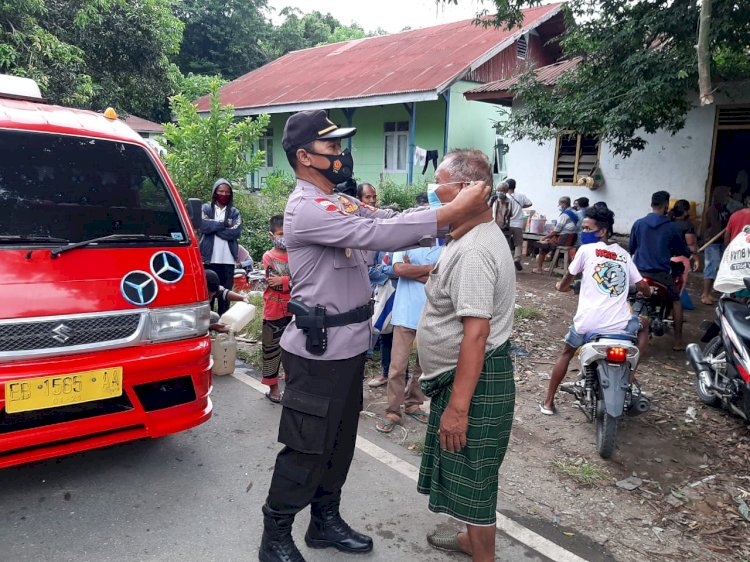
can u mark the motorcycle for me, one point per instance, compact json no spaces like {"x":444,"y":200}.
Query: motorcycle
{"x":249,"y":281}
{"x":604,"y":393}
{"x":722,"y":367}
{"x":658,"y":306}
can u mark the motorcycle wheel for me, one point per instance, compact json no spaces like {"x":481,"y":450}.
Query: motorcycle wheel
{"x":606,"y":431}
{"x":713,"y":348}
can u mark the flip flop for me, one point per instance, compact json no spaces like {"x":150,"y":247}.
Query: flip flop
{"x":272,"y":399}
{"x":419,"y":415}
{"x":446,"y":541}
{"x":385,"y":426}
{"x":547,"y":411}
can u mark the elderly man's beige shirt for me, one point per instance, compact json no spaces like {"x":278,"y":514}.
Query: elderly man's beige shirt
{"x":474,"y":277}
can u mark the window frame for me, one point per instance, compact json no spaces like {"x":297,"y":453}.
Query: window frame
{"x":263,"y":145}
{"x":525,"y":40}
{"x":394,"y":134}
{"x":577,"y":160}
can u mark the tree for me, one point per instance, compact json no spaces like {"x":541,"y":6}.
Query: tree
{"x":28,"y":49}
{"x":126,"y":49}
{"x":638,"y":67}
{"x":302,"y":31}
{"x":201,"y":149}
{"x":222,"y":37}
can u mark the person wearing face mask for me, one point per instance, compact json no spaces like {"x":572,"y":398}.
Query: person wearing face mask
{"x":607,"y":271}
{"x":328,"y":235}
{"x":563,"y":234}
{"x":220,"y":231}
{"x":276,"y":315}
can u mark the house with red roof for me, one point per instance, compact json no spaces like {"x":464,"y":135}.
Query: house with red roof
{"x":712,"y":149}
{"x":403,"y":92}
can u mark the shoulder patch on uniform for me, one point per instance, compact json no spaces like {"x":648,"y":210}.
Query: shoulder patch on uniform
{"x":327,"y":205}
{"x":349,"y":206}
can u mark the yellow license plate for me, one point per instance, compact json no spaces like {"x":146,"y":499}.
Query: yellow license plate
{"x":62,"y":390}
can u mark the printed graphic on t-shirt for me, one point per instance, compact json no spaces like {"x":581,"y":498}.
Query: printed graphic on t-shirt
{"x":610,"y":276}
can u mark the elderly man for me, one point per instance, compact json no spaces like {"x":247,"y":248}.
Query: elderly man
{"x":467,"y":371}
{"x":323,"y":348}
{"x":563,"y":234}
{"x":367,"y":194}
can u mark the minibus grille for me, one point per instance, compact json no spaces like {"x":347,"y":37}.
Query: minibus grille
{"x":63,"y":333}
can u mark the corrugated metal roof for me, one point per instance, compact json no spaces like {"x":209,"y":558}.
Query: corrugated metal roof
{"x":422,"y":60}
{"x":547,"y":75}
{"x":143,"y":125}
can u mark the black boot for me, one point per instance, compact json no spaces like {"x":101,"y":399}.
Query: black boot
{"x":327,"y":528}
{"x":277,"y":544}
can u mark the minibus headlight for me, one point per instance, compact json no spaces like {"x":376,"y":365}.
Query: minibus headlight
{"x":178,"y":323}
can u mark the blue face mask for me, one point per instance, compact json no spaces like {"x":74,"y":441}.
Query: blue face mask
{"x":589,"y":238}
{"x":432,"y":197}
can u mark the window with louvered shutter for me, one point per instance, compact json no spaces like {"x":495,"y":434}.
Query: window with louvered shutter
{"x":522,"y":47}
{"x":576,"y":156}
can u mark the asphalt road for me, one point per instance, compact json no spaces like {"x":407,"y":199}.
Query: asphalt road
{"x":196,"y":496}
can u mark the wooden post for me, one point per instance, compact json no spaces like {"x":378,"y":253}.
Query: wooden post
{"x":704,"y":54}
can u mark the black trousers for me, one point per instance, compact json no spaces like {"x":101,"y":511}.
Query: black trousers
{"x":225,"y":271}
{"x":318,"y":427}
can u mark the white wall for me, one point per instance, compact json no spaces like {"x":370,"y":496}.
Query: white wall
{"x":678,"y":164}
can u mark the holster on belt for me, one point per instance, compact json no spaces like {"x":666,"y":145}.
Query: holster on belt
{"x":313,"y":322}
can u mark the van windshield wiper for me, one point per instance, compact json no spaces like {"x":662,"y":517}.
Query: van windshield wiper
{"x":17,"y":238}
{"x":111,"y":238}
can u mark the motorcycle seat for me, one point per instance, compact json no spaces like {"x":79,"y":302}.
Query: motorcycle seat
{"x":624,"y":336}
{"x":738,"y":316}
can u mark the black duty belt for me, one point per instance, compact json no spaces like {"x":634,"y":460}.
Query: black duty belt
{"x":313,"y":321}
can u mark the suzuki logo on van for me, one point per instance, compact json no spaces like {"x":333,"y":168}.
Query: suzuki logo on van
{"x":62,"y":333}
{"x":167,"y":267}
{"x":139,"y":288}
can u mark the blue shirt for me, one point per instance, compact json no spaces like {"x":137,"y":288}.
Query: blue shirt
{"x":410,"y":294}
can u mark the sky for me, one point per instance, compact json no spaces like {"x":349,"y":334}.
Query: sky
{"x":390,"y":15}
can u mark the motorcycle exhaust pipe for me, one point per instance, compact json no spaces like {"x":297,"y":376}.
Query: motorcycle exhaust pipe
{"x":640,"y":406}
{"x":697,"y":359}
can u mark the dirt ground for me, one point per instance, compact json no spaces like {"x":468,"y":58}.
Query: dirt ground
{"x":692,"y":460}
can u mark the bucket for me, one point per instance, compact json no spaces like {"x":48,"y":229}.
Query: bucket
{"x":238,"y":316}
{"x":537,"y":225}
{"x":224,"y":354}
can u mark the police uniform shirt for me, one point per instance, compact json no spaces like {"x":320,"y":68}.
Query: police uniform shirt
{"x":325,"y":235}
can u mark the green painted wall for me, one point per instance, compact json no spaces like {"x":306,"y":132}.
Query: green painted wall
{"x":471,"y":126}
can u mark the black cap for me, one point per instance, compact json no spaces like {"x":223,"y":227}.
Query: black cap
{"x":308,"y":126}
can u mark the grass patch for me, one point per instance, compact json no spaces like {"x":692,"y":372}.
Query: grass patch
{"x":581,"y":470}
{"x":527,"y":313}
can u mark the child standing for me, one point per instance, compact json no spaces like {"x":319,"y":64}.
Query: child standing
{"x":276,"y":315}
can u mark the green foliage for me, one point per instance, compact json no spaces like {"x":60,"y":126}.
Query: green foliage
{"x":202,"y":149}
{"x":389,"y":192}
{"x":28,"y":49}
{"x":257,"y":210}
{"x":637,"y":71}
{"x":527,"y":313}
{"x":222,"y":37}
{"x":194,"y":86}
{"x":126,"y":48}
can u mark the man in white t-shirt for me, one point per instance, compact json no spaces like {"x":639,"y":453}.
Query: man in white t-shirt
{"x":607,"y":273}
{"x":518,"y":202}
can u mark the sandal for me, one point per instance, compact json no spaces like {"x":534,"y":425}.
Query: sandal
{"x":547,"y":411}
{"x":273,"y":398}
{"x":446,"y":541}
{"x":385,"y":426}
{"x":419,"y":415}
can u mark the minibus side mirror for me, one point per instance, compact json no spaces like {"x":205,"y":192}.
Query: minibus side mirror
{"x":194,"y":209}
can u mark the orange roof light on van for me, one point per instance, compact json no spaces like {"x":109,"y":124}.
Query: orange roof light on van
{"x":110,"y":113}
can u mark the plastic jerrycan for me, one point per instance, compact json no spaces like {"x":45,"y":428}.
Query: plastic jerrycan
{"x":238,"y":316}
{"x":224,"y":353}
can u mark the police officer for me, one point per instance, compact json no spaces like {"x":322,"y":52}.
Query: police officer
{"x":323,"y":348}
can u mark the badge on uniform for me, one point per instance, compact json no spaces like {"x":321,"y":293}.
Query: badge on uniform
{"x":349,"y":206}
{"x":348,"y":252}
{"x":328,"y":205}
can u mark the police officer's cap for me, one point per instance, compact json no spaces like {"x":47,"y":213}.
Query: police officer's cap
{"x":308,"y":126}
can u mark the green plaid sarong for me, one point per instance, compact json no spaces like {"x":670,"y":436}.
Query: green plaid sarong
{"x":464,"y":484}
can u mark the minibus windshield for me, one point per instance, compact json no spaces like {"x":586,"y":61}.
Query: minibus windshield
{"x":65,"y":189}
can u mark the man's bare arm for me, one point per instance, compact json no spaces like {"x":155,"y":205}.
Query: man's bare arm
{"x":455,"y":420}
{"x":410,"y":271}
{"x":564,"y":284}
